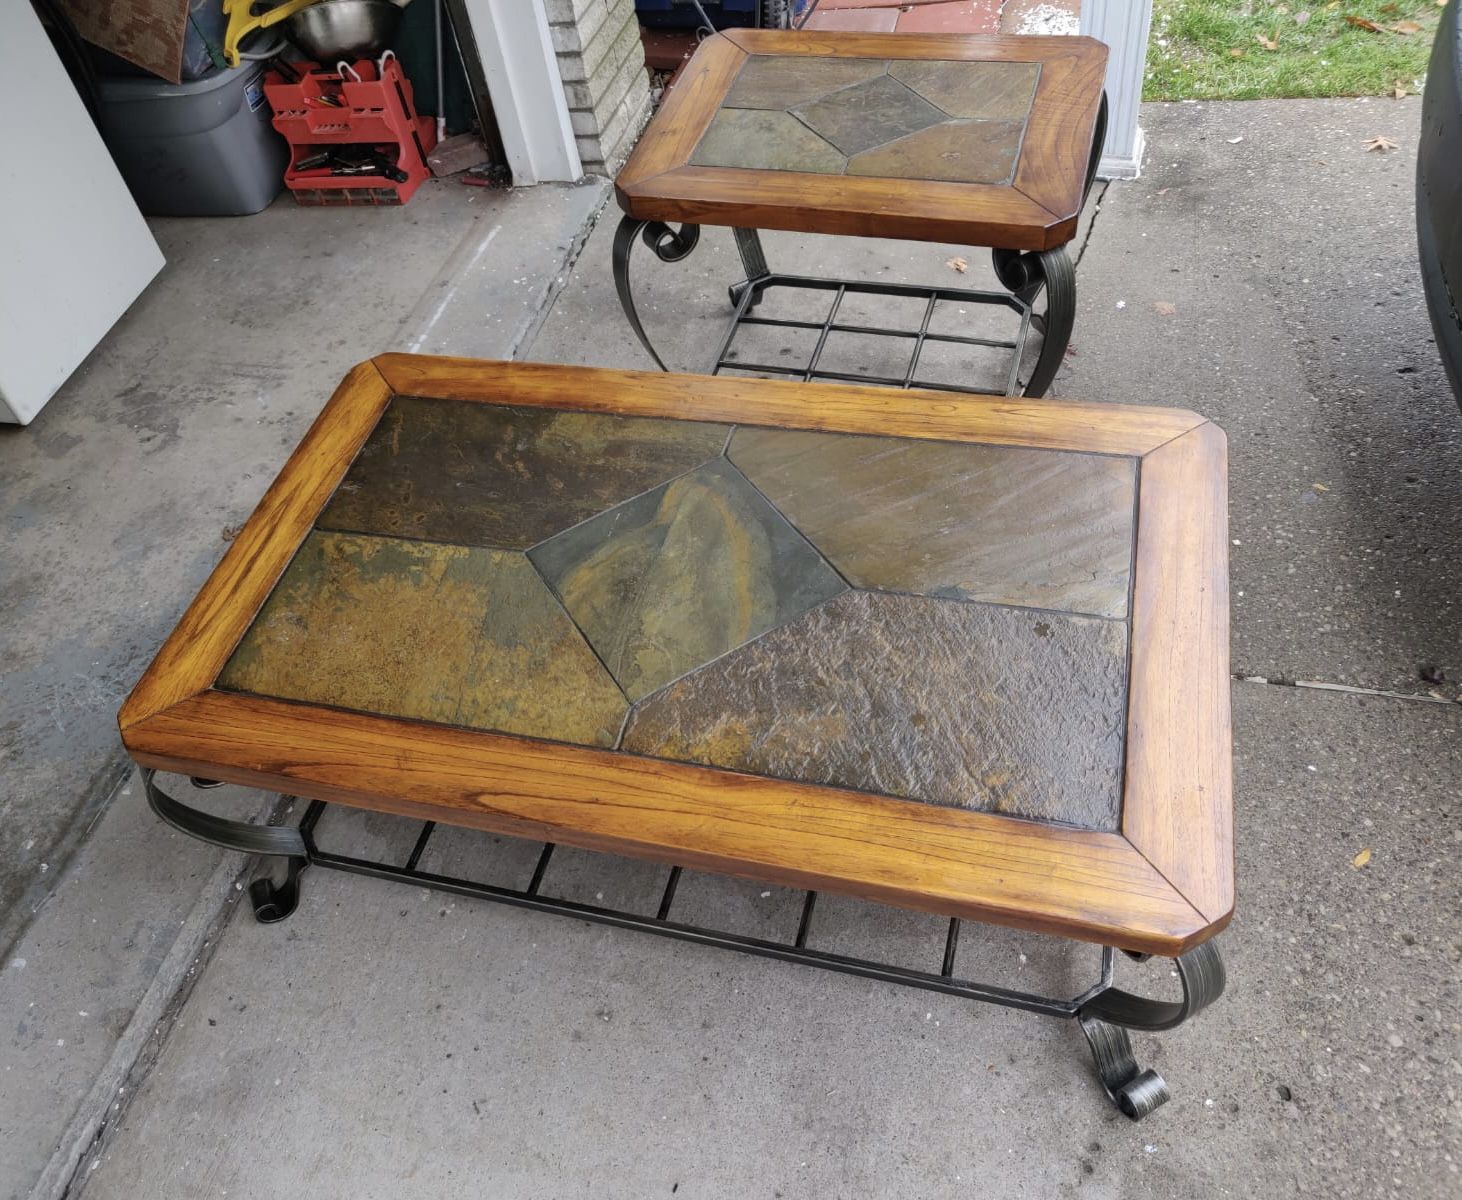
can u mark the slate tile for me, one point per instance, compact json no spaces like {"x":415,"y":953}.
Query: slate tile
{"x":869,"y":114}
{"x":765,"y":141}
{"x":783,"y":81}
{"x":955,"y":152}
{"x":966,"y":705}
{"x":676,"y":577}
{"x":492,"y":475}
{"x":1000,"y":91}
{"x":1042,"y":528}
{"x":455,"y":634}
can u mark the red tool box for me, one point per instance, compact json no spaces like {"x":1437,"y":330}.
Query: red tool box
{"x":354,"y":136}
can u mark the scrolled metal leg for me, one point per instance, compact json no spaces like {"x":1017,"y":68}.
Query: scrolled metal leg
{"x":1029,"y":274}
{"x":1135,"y":1092}
{"x":1107,"y":1016}
{"x":668,"y":245}
{"x":272,"y":902}
{"x":754,"y":263}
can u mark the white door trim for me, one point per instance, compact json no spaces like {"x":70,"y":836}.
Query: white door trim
{"x":526,"y":89}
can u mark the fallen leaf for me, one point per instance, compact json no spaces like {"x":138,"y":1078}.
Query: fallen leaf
{"x":1319,"y":487}
{"x":1363,"y":23}
{"x":958,"y":264}
{"x":1380,"y":143}
{"x":1361,"y":859}
{"x":1268,"y":43}
{"x":1404,"y":27}
{"x":1398,"y":90}
{"x":1237,"y":53}
{"x":1302,"y":18}
{"x":1391,"y":8}
{"x":1164,"y":308}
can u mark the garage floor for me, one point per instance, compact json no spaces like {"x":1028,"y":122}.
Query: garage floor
{"x":387,"y":1041}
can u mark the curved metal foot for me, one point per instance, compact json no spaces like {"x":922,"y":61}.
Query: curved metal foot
{"x":1107,"y":1016}
{"x":1026,"y":275}
{"x":668,"y":245}
{"x":274,"y":901}
{"x":1134,"y":1091}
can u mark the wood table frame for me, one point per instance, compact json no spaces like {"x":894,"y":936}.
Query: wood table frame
{"x":1162,"y":885}
{"x":1027,"y":223}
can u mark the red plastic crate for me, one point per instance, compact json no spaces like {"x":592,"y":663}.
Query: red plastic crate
{"x":329,"y":108}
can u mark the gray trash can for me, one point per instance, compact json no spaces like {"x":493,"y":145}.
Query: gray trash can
{"x":200,"y":148}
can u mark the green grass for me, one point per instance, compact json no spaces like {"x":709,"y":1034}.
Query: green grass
{"x":1188,"y":57}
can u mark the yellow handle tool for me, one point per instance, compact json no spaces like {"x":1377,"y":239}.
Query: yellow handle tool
{"x":242,"y":22}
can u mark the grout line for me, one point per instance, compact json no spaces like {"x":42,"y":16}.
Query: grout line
{"x":1317,"y":685}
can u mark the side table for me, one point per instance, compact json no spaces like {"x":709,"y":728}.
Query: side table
{"x":963,"y":655}
{"x":981,"y":141}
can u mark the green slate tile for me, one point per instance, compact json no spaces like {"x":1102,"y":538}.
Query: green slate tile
{"x":868,"y":114}
{"x":966,"y":705}
{"x":955,"y":152}
{"x":1040,"y":528}
{"x":984,"y":90}
{"x":454,"y":634}
{"x":490,"y":475}
{"x":680,"y":575}
{"x":782,"y":81}
{"x":765,"y":141}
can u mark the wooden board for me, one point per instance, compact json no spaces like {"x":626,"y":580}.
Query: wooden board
{"x":680,"y":172}
{"x":1153,"y":875}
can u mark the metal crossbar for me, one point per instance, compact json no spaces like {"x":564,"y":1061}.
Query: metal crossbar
{"x":797,"y":950}
{"x":754,"y":290}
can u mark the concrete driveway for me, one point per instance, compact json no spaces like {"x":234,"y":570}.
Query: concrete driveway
{"x":391,"y":1042}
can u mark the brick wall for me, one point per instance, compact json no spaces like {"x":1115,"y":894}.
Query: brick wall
{"x":603,"y":71}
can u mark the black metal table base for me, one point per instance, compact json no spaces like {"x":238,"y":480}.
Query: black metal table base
{"x":1104,"y":1012}
{"x":1025,"y":275}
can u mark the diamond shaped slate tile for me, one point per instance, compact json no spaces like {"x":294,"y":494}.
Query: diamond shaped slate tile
{"x":983,"y":90}
{"x":680,"y":575}
{"x":943,"y":701}
{"x":956,"y":151}
{"x":490,"y":475}
{"x":782,"y":81}
{"x":869,"y":114}
{"x":768,"y":141}
{"x":455,"y":634}
{"x":1041,"y":528}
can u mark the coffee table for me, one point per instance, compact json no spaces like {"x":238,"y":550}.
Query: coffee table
{"x":965,"y":655}
{"x":981,"y":141}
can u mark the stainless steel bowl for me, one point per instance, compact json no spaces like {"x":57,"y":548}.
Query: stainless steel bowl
{"x":333,"y":29}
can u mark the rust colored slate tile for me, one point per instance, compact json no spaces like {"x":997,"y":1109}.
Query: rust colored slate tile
{"x":766,"y":141}
{"x":676,"y":577}
{"x":956,"y":152}
{"x":1041,"y":528}
{"x":489,"y":475}
{"x":869,"y":114}
{"x":782,"y":81}
{"x":968,"y":705}
{"x":455,"y":634}
{"x":999,"y":91}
